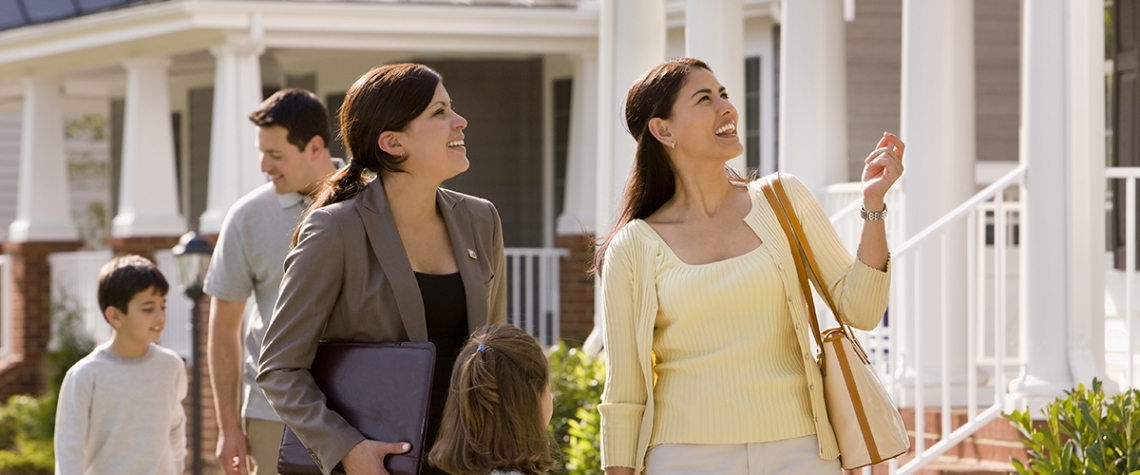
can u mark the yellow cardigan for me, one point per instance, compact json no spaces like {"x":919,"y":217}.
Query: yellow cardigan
{"x":630,"y":309}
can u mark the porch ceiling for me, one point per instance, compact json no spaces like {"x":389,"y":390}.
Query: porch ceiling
{"x":167,"y":28}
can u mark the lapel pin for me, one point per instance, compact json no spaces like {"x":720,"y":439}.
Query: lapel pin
{"x":471,"y":254}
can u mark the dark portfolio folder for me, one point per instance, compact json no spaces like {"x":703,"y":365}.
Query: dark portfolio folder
{"x":381,"y":389}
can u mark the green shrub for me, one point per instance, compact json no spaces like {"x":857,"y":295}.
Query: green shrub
{"x":26,"y":418}
{"x":577,"y":384}
{"x":30,"y":457}
{"x":1083,"y":433}
{"x":27,"y":423}
{"x":73,"y":342}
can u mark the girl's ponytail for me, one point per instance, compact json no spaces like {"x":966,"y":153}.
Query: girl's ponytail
{"x":493,"y":419}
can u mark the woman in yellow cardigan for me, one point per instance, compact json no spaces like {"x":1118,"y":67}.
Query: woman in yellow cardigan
{"x":709,"y":360}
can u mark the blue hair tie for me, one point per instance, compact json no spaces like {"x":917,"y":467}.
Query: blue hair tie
{"x":482,"y":348}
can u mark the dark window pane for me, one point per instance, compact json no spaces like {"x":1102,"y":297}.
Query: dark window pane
{"x":10,"y":14}
{"x":752,"y":112}
{"x":87,"y":6}
{"x":47,"y":10}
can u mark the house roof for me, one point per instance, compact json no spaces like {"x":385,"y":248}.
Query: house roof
{"x":18,"y":13}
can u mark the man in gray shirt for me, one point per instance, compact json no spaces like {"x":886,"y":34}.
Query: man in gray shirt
{"x":293,"y":136}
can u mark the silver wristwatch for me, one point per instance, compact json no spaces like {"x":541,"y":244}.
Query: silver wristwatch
{"x":873,"y":215}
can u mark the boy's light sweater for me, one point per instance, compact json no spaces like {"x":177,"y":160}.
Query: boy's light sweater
{"x":122,"y":415}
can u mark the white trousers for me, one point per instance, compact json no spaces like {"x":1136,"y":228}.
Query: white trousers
{"x":783,"y":457}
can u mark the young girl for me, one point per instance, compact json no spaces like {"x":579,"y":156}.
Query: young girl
{"x":498,"y":407}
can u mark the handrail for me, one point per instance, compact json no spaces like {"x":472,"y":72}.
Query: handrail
{"x":846,"y":211}
{"x":1122,"y":172}
{"x":962,"y":209}
{"x":952,"y":440}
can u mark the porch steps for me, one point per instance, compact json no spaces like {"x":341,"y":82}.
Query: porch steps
{"x":986,"y":452}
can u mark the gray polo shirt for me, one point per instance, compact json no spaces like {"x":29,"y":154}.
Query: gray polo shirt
{"x":249,"y":258}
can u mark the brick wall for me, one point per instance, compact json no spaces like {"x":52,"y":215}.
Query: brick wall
{"x":143,"y":246}
{"x":31,"y":315}
{"x":577,"y":288}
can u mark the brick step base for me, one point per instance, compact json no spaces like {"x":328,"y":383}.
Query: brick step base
{"x":987,"y":451}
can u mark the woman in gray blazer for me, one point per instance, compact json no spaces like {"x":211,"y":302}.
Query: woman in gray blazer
{"x":389,"y":258}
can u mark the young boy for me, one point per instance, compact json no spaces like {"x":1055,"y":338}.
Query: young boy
{"x":120,"y":408}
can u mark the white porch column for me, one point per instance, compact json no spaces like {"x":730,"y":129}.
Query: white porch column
{"x":938,"y":126}
{"x":1045,"y":219}
{"x":714,"y":33}
{"x":631,"y":39}
{"x":148,"y":203}
{"x":234,"y":168}
{"x":578,"y":204}
{"x":43,"y":207}
{"x":813,"y":93}
{"x":1087,"y":182}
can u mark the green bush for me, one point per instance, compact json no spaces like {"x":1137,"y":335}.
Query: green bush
{"x":25,"y":418}
{"x":27,"y":423}
{"x":578,"y":381}
{"x":30,"y":457}
{"x":1084,"y":432}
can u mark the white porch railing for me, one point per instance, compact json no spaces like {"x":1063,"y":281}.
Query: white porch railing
{"x":1122,"y":350}
{"x":842,"y":201}
{"x":993,"y":281}
{"x":74,"y":285}
{"x":907,"y":304}
{"x":533,"y":294}
{"x":176,"y":334}
{"x":74,"y":288}
{"x":5,"y":307}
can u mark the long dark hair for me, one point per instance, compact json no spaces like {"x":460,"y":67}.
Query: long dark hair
{"x":652,"y":181}
{"x":385,"y":98}
{"x":491,"y":420}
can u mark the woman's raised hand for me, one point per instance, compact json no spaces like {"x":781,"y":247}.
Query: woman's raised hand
{"x":367,"y":457}
{"x":882,"y":169}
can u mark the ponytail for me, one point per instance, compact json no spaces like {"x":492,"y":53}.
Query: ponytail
{"x":493,"y":416}
{"x":386,"y":98}
{"x":343,"y":185}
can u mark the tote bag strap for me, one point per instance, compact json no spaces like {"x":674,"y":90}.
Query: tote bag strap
{"x":797,"y":251}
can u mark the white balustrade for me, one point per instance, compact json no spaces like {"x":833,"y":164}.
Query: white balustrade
{"x":176,"y":334}
{"x":1122,"y":348}
{"x":74,"y":288}
{"x":842,"y":202}
{"x":992,"y":356}
{"x":906,"y":305}
{"x":533,"y":295}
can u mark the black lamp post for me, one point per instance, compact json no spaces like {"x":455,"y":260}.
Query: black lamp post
{"x":192,"y":256}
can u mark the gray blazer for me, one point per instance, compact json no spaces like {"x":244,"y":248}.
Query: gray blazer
{"x":349,"y":279}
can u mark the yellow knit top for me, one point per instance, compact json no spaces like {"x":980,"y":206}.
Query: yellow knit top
{"x":734,"y":358}
{"x":725,"y":327}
